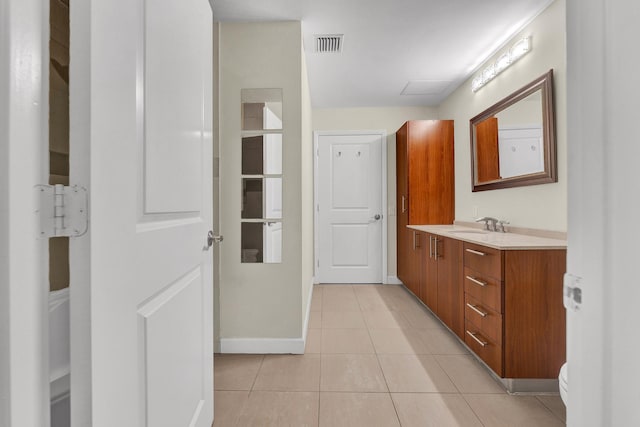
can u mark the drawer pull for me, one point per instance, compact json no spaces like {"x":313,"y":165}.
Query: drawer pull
{"x":475,"y":252}
{"x":478,"y":340}
{"x":475,"y":308}
{"x":476,"y":281}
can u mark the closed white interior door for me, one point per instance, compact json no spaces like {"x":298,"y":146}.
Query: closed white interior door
{"x":349,"y":208}
{"x":148,"y":93}
{"x":520,"y":150}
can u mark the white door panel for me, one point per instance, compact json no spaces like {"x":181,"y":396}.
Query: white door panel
{"x":151,"y":335}
{"x":272,"y":242}
{"x":350,"y":175}
{"x":24,"y":296}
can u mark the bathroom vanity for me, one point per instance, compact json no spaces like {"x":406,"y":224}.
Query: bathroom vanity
{"x":500,"y":293}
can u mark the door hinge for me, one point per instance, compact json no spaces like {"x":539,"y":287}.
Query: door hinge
{"x":318,"y":263}
{"x":62,"y":211}
{"x":572,"y":292}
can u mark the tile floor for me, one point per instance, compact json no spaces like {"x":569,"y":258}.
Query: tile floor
{"x":374,"y":357}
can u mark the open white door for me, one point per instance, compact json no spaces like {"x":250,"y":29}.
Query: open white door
{"x":24,"y":374}
{"x":141,"y":100}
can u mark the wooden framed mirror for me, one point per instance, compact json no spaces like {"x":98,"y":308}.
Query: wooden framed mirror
{"x":513,"y":142}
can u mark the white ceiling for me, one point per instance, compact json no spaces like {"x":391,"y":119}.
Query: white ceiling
{"x":434,"y":44}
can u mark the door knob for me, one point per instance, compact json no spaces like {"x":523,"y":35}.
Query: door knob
{"x":375,"y":218}
{"x":212,"y":238}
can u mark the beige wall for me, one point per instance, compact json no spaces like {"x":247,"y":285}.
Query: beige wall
{"x":539,"y":206}
{"x":389,"y":119}
{"x":263,"y":300}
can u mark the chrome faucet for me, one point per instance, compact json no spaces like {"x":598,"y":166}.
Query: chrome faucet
{"x":492,"y":224}
{"x":500,"y":226}
{"x":489,"y":223}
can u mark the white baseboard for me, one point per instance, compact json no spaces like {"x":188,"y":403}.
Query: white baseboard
{"x":393,"y":280}
{"x":270,"y":345}
{"x":308,"y":314}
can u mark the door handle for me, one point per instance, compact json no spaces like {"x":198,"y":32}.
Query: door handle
{"x":375,"y":218}
{"x":212,"y":238}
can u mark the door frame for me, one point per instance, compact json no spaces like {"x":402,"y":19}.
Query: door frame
{"x":316,"y":150}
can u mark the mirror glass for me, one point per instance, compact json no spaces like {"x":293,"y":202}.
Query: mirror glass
{"x":261,"y":109}
{"x":513,"y":141}
{"x":261,"y":174}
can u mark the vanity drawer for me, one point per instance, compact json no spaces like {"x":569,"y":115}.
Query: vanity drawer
{"x":486,"y":349}
{"x":488,"y":322}
{"x":483,"y":288}
{"x":482,"y":259}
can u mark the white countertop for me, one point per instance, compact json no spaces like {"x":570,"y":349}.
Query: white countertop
{"x":492,"y":239}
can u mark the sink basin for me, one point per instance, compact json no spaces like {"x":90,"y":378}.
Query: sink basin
{"x":468,"y":232}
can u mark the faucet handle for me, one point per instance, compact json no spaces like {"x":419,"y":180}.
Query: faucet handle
{"x":500,"y":226}
{"x":489,"y":222}
{"x":485,"y":220}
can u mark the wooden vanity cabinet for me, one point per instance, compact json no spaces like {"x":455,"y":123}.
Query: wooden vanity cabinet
{"x":514,"y":317}
{"x":441,"y":287}
{"x":424,"y":189}
{"x":412,"y":256}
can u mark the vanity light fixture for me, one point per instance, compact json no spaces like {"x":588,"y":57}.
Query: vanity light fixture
{"x":504,"y":61}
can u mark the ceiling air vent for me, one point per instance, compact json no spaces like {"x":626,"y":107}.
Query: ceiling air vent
{"x":329,"y":43}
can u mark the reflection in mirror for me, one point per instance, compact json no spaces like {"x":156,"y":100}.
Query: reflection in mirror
{"x":252,"y":197}
{"x":273,"y":198}
{"x":262,"y":198}
{"x":513,"y":142}
{"x":261,"y":239}
{"x":261,"y":242}
{"x":251,"y":242}
{"x":520,"y":137}
{"x":261,"y":109}
{"x":262,"y":155}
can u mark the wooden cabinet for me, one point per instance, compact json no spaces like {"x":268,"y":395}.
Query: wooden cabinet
{"x":424,"y":189}
{"x":441,"y":285}
{"x":413,"y":256}
{"x":514,"y":317}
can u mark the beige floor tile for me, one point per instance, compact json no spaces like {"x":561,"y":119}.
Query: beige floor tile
{"x":396,"y":302}
{"x":278,"y":409}
{"x":406,"y":373}
{"x":334,"y":286}
{"x":228,"y":407}
{"x":316,"y":299}
{"x":357,"y":410}
{"x":351,"y":372}
{"x":469,"y":375}
{"x":418,"y":317}
{"x":342,"y":320}
{"x":555,"y":405}
{"x":505,"y":410}
{"x":339,"y":300}
{"x":397,"y":341}
{"x":346,"y":341}
{"x":289,"y":372}
{"x":314,"y":341}
{"x":315,"y":320}
{"x":385,"y":319}
{"x":371,"y":300}
{"x":236,"y":372}
{"x":434,"y":410}
{"x":441,"y":341}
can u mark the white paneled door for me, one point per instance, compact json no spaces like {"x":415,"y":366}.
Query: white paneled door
{"x":142,"y":101}
{"x":349,"y":207}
